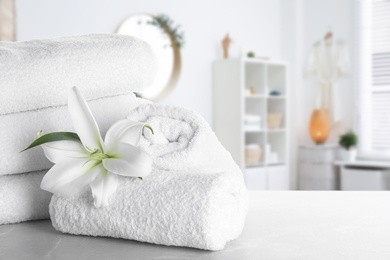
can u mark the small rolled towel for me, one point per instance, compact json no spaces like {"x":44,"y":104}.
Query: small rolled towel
{"x":18,"y":130}
{"x":21,"y":198}
{"x":194,"y":197}
{"x":37,"y":74}
{"x":183,"y":140}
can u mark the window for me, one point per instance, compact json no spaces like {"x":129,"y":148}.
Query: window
{"x":374,"y":60}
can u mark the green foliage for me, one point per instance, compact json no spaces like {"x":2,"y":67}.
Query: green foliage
{"x":166,"y":24}
{"x":150,"y":128}
{"x":138,"y":95}
{"x":348,"y":140}
{"x":53,"y":137}
{"x":251,"y":54}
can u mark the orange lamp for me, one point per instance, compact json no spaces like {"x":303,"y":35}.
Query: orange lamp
{"x":319,"y":128}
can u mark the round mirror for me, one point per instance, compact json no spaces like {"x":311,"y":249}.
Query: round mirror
{"x":164,"y":46}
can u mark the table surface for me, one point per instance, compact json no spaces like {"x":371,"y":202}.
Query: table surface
{"x":280,"y":225}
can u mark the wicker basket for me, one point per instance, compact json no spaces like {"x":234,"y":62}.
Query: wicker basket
{"x":274,"y":121}
{"x":252,"y":155}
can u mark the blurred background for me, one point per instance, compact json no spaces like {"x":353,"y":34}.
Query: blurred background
{"x":297,"y":90}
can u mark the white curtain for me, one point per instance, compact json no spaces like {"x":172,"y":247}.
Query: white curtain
{"x":373,"y":99}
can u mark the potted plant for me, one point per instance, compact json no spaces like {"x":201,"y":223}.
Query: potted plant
{"x":348,"y":142}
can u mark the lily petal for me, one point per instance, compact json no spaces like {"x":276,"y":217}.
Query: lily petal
{"x":127,"y":131}
{"x":83,"y":121}
{"x":62,"y":150}
{"x":70,"y":177}
{"x":129,"y":161}
{"x":103,"y":187}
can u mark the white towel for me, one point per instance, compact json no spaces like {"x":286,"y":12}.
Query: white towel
{"x":37,"y":74}
{"x":19,"y":130}
{"x":195,"y":196}
{"x":21,"y":198}
{"x":182,"y":140}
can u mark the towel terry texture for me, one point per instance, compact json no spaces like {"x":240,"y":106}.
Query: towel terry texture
{"x":194,"y":197}
{"x":18,"y":130}
{"x":21,"y":198}
{"x":39,"y":73}
{"x":35,"y":78}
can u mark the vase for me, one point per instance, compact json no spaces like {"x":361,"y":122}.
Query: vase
{"x":319,"y":128}
{"x":348,"y":155}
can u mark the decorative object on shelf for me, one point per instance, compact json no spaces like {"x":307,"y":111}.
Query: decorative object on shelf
{"x":252,"y":90}
{"x":267,"y":150}
{"x":274,"y":120}
{"x":251,"y":54}
{"x":252,"y":122}
{"x":328,"y":62}
{"x":273,"y":157}
{"x":316,"y":169}
{"x":160,"y":32}
{"x":225,"y":45}
{"x":253,"y":153}
{"x":274,"y":93}
{"x":319,"y":128}
{"x":348,"y":142}
{"x":7,"y":20}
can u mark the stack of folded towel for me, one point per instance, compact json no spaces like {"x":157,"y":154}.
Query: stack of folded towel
{"x":252,"y":122}
{"x":194,"y":197}
{"x":35,"y":79}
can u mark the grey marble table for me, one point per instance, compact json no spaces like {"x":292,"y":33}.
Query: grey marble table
{"x":280,"y":225}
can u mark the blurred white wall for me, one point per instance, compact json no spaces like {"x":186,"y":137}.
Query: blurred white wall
{"x":304,"y":22}
{"x":252,"y":24}
{"x":292,"y":50}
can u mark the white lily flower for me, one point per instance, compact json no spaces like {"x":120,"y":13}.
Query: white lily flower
{"x":94,"y":162}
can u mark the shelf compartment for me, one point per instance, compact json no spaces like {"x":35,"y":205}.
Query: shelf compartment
{"x":277,"y":142}
{"x":276,"y":77}
{"x":255,"y":77}
{"x":257,"y":138}
{"x":255,"y":106}
{"x":277,"y":106}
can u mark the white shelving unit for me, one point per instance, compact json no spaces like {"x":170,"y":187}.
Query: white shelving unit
{"x":231,"y":77}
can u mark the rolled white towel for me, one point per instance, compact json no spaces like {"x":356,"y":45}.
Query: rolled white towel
{"x":182,"y":139}
{"x":21,"y":198}
{"x":195,"y":196}
{"x":37,"y":74}
{"x":18,"y":130}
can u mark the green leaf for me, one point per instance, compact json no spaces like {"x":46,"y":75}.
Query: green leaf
{"x":140,"y":178}
{"x":151,"y":129}
{"x":54,"y":137}
{"x":138,"y":95}
{"x":348,"y":140}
